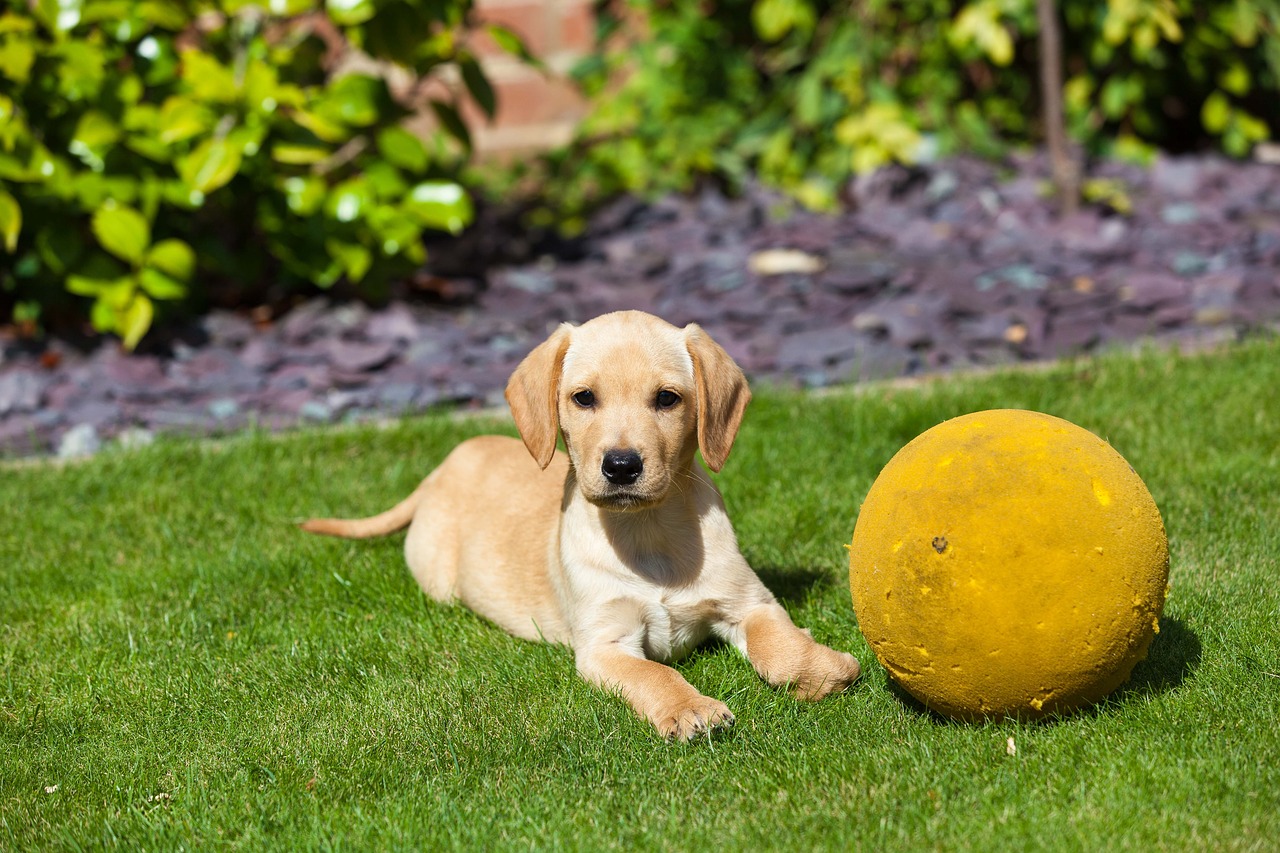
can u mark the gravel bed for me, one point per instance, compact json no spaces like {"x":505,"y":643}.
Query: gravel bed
{"x":952,"y":266}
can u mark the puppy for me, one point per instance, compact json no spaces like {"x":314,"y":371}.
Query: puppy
{"x":623,"y":550}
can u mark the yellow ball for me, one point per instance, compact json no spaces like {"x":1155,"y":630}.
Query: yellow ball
{"x":1008,"y":563}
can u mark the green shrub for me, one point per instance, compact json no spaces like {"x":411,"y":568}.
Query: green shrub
{"x":152,"y":150}
{"x":806,"y":93}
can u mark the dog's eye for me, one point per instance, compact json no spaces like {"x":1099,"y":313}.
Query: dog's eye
{"x":667,"y":399}
{"x":585,"y":398}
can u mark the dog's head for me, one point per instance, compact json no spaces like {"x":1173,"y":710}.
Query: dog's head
{"x":634,"y":397}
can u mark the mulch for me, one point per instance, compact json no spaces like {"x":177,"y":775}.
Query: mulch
{"x":959,"y":264}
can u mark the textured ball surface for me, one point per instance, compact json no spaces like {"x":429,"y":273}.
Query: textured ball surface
{"x":1008,"y":563}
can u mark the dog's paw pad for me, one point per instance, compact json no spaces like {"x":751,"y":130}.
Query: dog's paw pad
{"x":697,"y":717}
{"x":841,"y":671}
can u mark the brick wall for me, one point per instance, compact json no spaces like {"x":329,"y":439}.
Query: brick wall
{"x":535,"y":111}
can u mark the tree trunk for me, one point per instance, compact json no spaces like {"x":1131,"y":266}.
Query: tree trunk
{"x":1066,"y":177}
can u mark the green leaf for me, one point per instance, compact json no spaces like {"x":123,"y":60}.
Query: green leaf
{"x":123,"y":232}
{"x":395,"y":32}
{"x":162,"y":13}
{"x":509,"y":41}
{"x":10,"y":221}
{"x":172,"y":257}
{"x":304,"y":195}
{"x":160,"y":286}
{"x":16,"y":59}
{"x":84,"y":67}
{"x":1254,"y":129}
{"x":136,"y":320}
{"x":478,"y":84}
{"x":402,"y":148}
{"x":348,"y":13}
{"x":440,"y":204}
{"x":60,"y":248}
{"x":298,"y":155}
{"x":774,"y":19}
{"x":182,"y":118}
{"x":979,"y":24}
{"x":94,"y":190}
{"x":325,"y":129}
{"x":104,"y":317}
{"x":262,"y":89}
{"x":385,"y":181}
{"x":354,"y":258}
{"x":94,"y":135}
{"x":212,"y":165}
{"x":208,"y":79}
{"x":452,"y":122}
{"x":83,"y":285}
{"x":1215,"y":113}
{"x":347,"y":201}
{"x":1114,"y":98}
{"x":356,"y":100}
{"x":1236,"y":79}
{"x":1241,"y":21}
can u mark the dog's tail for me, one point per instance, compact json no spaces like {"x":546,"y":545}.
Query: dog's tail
{"x":396,"y":518}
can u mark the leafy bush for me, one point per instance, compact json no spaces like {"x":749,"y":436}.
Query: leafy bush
{"x":151,"y":150}
{"x":805,"y":93}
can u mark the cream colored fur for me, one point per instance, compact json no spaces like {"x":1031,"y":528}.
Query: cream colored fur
{"x":628,"y":574}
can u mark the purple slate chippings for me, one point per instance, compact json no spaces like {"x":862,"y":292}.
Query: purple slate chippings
{"x":954,"y":265}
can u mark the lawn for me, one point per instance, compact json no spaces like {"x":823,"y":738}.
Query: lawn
{"x":182,"y":668}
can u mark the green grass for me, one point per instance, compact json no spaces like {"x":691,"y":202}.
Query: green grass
{"x":181,"y":668}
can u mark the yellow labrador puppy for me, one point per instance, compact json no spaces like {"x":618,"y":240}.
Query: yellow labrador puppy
{"x":623,"y":551}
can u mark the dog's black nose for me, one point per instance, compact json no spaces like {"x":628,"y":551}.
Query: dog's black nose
{"x":622,"y":467}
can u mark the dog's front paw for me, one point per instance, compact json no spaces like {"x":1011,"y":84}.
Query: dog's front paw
{"x":689,"y":718}
{"x":831,"y":672}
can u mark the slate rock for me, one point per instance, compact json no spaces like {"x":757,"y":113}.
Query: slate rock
{"x":177,"y":417}
{"x":226,"y":328}
{"x":397,"y":397}
{"x":1145,"y":290}
{"x":20,"y":434}
{"x":355,"y":357}
{"x":78,"y":442}
{"x":816,"y":348}
{"x":393,"y":324}
{"x":1175,"y":176}
{"x":262,"y":353}
{"x":133,"y":437}
{"x":224,"y":408}
{"x":215,"y":371}
{"x":99,"y":414}
{"x":132,"y":377}
{"x":852,"y":271}
{"x":1076,"y":332}
{"x":293,"y":377}
{"x":305,"y":321}
{"x":20,"y":391}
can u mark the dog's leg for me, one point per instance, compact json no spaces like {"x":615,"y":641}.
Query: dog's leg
{"x":615,"y":661}
{"x":786,"y":656}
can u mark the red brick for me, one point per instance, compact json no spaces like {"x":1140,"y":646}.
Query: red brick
{"x":527,"y":98}
{"x":532,"y":20}
{"x":577,"y":28}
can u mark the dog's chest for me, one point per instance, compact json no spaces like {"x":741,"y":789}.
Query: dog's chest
{"x":674,"y":627}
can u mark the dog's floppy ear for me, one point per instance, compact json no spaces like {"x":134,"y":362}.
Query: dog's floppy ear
{"x":532,"y":393}
{"x":722,"y":394}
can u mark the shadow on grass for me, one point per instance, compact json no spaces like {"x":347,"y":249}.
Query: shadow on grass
{"x":793,"y":586}
{"x":1174,"y":655}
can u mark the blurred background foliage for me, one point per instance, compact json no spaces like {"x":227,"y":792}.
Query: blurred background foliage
{"x":804,"y":94}
{"x":180,"y":153}
{"x":168,"y":152}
